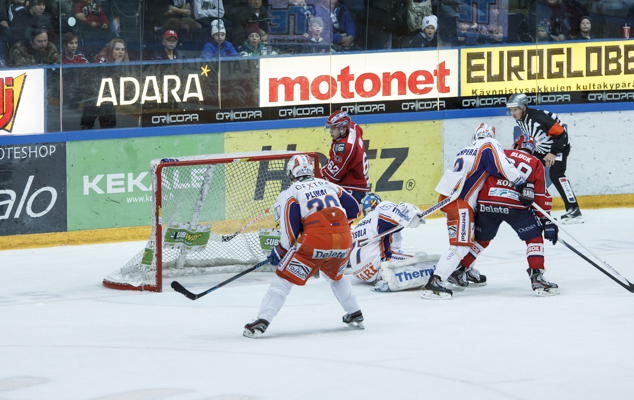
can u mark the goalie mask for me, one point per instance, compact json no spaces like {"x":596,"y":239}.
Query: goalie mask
{"x":300,"y":165}
{"x":483,"y":131}
{"x":369,"y":203}
{"x":525,"y":143}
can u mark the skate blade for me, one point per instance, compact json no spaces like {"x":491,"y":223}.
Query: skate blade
{"x":433,"y":295}
{"x":251,"y":335}
{"x":572,"y":221}
{"x":457,"y":288}
{"x":546,"y":293}
{"x":477,"y":284}
{"x":356,"y":325}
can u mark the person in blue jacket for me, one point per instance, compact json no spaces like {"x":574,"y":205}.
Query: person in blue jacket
{"x":343,"y":30}
{"x":218,"y":45}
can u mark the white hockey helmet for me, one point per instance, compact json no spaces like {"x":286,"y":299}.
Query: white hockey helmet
{"x":300,"y":165}
{"x":484,"y":131}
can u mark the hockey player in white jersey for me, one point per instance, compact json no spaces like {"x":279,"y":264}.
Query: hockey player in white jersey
{"x":321,"y":212}
{"x":381,"y":261}
{"x":473,"y":165}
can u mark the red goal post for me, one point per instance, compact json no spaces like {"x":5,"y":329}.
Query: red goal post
{"x":210,"y":214}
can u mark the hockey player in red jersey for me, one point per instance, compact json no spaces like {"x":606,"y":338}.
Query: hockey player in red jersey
{"x":484,"y":157}
{"x":500,"y":202}
{"x":321,"y":212}
{"x":348,"y":164}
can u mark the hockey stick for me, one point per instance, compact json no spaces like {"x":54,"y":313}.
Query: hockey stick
{"x":410,"y":261}
{"x":192,"y":296}
{"x":226,"y":238}
{"x":608,"y":270}
{"x":454,"y":195}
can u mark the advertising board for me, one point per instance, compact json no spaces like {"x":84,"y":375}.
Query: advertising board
{"x":405,"y":157}
{"x":32,"y":188}
{"x":562,"y":67}
{"x":358,"y":78}
{"x":21,"y":101}
{"x":109,"y":182}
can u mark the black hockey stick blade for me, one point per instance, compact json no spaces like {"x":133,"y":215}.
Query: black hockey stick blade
{"x":181,"y":289}
{"x":192,"y":296}
{"x":628,"y":286}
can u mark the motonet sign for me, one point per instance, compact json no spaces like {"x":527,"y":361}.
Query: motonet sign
{"x":358,"y":78}
{"x":561,"y":67}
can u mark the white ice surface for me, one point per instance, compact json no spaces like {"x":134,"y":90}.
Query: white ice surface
{"x":65,"y":336}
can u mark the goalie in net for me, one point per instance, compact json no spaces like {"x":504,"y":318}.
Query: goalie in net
{"x":210,"y":214}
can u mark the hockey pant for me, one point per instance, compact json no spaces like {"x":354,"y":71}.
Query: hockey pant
{"x":325,"y":245}
{"x":558,"y":177}
{"x":525,"y":224}
{"x":460,"y":225}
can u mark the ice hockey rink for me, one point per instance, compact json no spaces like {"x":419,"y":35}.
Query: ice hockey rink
{"x":65,"y":336}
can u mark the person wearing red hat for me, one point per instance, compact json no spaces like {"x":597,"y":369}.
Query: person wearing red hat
{"x":348,"y":164}
{"x":253,"y":46}
{"x":168,"y":52}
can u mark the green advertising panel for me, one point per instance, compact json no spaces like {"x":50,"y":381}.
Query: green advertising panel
{"x":109,"y":183}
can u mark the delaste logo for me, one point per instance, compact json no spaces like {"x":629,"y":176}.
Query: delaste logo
{"x":330,"y":253}
{"x":10,"y":91}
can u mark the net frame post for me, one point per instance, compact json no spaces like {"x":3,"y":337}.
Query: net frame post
{"x":157,"y":220}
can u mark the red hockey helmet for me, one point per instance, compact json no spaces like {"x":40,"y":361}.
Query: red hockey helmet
{"x":525,"y":142}
{"x":338,"y":119}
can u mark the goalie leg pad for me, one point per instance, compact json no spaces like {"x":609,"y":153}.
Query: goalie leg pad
{"x":409,"y":273}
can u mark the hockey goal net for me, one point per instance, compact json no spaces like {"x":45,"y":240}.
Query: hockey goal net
{"x":210,"y":214}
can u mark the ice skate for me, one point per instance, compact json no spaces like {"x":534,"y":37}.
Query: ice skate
{"x":354,"y":320}
{"x":573,"y":216}
{"x":435,"y":289}
{"x":256,"y":328}
{"x":458,"y":279}
{"x":540,"y":285}
{"x":475,"y":278}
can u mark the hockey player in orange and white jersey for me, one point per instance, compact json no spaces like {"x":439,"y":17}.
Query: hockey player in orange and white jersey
{"x":348,"y":163}
{"x":321,"y":212}
{"x":381,"y":261}
{"x":500,"y":202}
{"x":473,"y":165}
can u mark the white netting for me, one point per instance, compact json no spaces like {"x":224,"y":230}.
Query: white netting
{"x":212,"y":214}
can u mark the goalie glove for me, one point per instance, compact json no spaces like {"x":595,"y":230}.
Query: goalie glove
{"x":551,"y":231}
{"x":408,"y":215}
{"x":417,"y":220}
{"x":527,"y":193}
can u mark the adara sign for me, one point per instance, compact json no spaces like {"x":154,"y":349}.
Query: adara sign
{"x":21,"y":101}
{"x":367,"y":78}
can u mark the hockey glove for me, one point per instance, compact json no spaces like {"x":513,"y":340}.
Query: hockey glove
{"x":551,"y":231}
{"x":527,"y":193}
{"x":417,"y":220}
{"x":275,"y":258}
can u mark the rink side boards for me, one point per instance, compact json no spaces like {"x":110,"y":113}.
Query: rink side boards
{"x":140,"y":233}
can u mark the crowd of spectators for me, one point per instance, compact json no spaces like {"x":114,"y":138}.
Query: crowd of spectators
{"x":87,"y":31}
